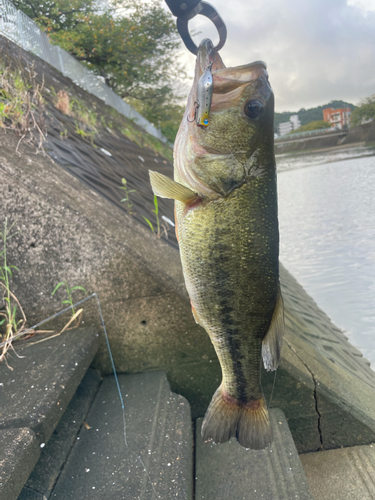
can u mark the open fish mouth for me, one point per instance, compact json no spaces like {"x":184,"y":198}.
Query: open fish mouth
{"x":228,"y":83}
{"x":207,"y":57}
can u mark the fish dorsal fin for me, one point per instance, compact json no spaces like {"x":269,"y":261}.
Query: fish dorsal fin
{"x":272,"y":342}
{"x":164,"y":187}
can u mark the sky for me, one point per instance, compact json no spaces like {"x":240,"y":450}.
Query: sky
{"x":316,"y":50}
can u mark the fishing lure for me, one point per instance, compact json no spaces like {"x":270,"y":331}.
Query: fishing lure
{"x":205,"y":90}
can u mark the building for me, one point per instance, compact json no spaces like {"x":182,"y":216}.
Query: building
{"x":338,"y":118}
{"x":292,"y":124}
{"x":285,"y":128}
{"x":295,"y":122}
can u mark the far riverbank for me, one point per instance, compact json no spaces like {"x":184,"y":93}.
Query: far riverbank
{"x":361,"y":135}
{"x":300,"y":159}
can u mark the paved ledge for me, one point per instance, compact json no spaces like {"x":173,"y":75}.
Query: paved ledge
{"x":38,"y":390}
{"x":225,"y":471}
{"x":19,"y":451}
{"x":343,"y":474}
{"x":29,"y":494}
{"x":53,"y":457}
{"x":157,"y":461}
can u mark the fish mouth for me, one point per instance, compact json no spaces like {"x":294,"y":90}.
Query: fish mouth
{"x":228,"y":86}
{"x":227,"y":82}
{"x":224,"y":79}
{"x":207,"y":56}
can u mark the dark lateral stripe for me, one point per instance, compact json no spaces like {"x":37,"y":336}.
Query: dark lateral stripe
{"x":220,"y":254}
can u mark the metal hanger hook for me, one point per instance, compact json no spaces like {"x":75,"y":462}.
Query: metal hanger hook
{"x":207,"y":10}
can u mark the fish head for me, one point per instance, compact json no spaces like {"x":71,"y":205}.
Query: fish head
{"x":237,"y":141}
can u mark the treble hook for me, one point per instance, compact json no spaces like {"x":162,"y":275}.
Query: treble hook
{"x":196,"y":106}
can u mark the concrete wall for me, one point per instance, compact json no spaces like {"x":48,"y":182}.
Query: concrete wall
{"x":360,"y":134}
{"x":67,"y":231}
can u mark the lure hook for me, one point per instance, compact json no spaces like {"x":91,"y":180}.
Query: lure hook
{"x":196,"y":106}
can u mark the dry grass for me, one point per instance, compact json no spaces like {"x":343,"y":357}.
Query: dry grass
{"x":63,"y":102}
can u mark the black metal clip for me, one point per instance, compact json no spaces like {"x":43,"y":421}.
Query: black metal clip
{"x":185,"y":10}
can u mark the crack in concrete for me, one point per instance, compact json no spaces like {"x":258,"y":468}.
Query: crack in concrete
{"x":315,"y":394}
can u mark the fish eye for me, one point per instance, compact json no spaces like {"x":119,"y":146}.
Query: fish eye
{"x":253,"y":109}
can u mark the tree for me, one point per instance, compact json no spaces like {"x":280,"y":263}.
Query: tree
{"x":53,"y":16}
{"x":365,"y":110}
{"x":314,"y":125}
{"x":131,"y":45}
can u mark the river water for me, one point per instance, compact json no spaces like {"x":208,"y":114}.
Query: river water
{"x":327,"y":235}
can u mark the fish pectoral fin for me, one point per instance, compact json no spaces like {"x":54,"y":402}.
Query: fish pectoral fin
{"x":272,"y":342}
{"x":164,"y":187}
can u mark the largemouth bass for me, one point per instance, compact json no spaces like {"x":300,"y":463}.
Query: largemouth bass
{"x":226,"y":223}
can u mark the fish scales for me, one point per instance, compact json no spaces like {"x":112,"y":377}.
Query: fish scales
{"x":226,"y":222}
{"x":231,"y":271}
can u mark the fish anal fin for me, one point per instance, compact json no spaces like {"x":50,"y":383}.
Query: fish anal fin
{"x":196,"y":315}
{"x":272,"y":342}
{"x":164,"y":187}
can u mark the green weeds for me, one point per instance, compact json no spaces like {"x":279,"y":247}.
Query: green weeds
{"x":22,"y":108}
{"x":85,"y":133}
{"x":76,"y":315}
{"x":64,"y":134}
{"x":11,"y":308}
{"x":157,"y":232}
{"x":84,"y":114}
{"x":127,"y":192}
{"x":86,"y":119}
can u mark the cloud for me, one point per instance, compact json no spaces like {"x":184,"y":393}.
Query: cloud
{"x":316,"y":50}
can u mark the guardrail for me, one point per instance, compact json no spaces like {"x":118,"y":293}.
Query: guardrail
{"x":19,"y":28}
{"x":319,"y":131}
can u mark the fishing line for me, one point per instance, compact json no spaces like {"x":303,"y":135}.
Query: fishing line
{"x":48,"y":319}
{"x":273,"y":386}
{"x":121,"y":398}
{"x":112,"y":363}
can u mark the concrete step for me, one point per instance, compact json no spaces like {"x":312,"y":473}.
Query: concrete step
{"x":225,"y":471}
{"x":35,"y":394}
{"x":152,"y":459}
{"x":19,"y":448}
{"x":53,"y":457}
{"x":342,"y":474}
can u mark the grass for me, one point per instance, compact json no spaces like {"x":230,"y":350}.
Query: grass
{"x":22,"y":107}
{"x":76,"y":316}
{"x":62,"y":101}
{"x":158,"y":233}
{"x":86,"y":120}
{"x":114,"y":121}
{"x":90,"y":134}
{"x":143,"y":139}
{"x":10,"y":325}
{"x":12,"y":316}
{"x":84,"y":114}
{"x":127,"y":192}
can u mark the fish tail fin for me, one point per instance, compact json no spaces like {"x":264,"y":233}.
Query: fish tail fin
{"x":248,"y":422}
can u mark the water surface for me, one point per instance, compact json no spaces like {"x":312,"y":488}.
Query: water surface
{"x":327,"y":230}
